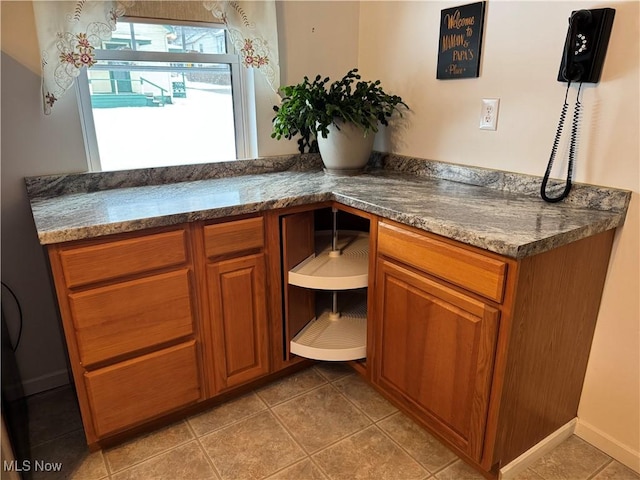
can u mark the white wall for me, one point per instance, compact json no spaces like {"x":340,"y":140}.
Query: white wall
{"x":520,"y":59}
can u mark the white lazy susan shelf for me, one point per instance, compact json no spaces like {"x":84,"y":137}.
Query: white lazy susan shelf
{"x":337,"y":339}
{"x":326,"y":270}
{"x":337,"y":333}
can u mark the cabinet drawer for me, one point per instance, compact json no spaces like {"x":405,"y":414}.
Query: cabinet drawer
{"x":470,"y":270}
{"x":125,"y":317}
{"x":136,"y":390}
{"x":232,"y":237}
{"x":106,"y":261}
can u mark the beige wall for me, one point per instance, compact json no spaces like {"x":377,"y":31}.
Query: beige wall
{"x":520,"y":59}
{"x":314,"y":38}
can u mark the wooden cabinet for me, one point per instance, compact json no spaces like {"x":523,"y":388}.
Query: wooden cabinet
{"x":435,"y":352}
{"x":235,"y":303}
{"x":325,"y":276}
{"x":487,"y":352}
{"x":157,"y":321}
{"x":129,"y":312}
{"x":436,"y":343}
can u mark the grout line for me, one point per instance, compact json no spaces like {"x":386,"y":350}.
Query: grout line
{"x":222,"y":427}
{"x":600,"y":469}
{"x":319,"y":467}
{"x":106,"y":464}
{"x":208,"y":458}
{"x":402,"y":447}
{"x":288,"y":432}
{"x":309,"y":454}
{"x":361,"y":409}
{"x":346,"y":374}
{"x":326,"y":382}
{"x":447,"y":465}
{"x":232,"y":424}
{"x":375,"y":422}
{"x":157,"y":454}
{"x":153,"y":457}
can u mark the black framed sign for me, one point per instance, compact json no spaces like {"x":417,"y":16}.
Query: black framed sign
{"x":460,"y":41}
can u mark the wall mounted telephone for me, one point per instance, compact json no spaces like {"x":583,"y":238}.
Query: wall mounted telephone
{"x":582,"y":60}
{"x":586,"y":45}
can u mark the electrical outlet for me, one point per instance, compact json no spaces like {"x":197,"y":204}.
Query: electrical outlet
{"x":489,"y":113}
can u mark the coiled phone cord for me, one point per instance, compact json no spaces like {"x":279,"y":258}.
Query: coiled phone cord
{"x":572,"y":147}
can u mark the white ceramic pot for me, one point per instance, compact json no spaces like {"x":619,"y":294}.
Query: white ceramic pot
{"x":345,"y":151}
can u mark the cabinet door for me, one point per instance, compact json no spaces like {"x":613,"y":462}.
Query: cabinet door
{"x":237,"y":297}
{"x":435,"y":350}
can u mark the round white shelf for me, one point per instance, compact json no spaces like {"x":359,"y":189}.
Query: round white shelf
{"x":341,"y":339}
{"x":327,"y":271}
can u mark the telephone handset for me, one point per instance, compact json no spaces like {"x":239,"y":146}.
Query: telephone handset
{"x":582,"y":60}
{"x":586,"y":45}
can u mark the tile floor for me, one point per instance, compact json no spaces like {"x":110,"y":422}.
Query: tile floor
{"x":322,"y":423}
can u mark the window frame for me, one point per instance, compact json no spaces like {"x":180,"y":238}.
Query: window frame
{"x":241,"y":83}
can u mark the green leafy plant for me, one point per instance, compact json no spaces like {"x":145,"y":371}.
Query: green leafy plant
{"x":309,"y":107}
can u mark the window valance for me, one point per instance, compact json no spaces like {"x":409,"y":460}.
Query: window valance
{"x":70,"y":31}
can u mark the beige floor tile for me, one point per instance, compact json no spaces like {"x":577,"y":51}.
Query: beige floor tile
{"x":574,"y":458}
{"x":304,"y":470}
{"x":226,"y":413}
{"x":252,"y":448}
{"x":93,"y":467}
{"x":616,"y":471}
{"x":141,"y":448}
{"x":420,"y":444}
{"x":72,"y":452}
{"x":459,"y":471}
{"x":187,"y":461}
{"x":291,"y":386}
{"x":527,"y":474}
{"x":368,"y":454}
{"x":333,"y":371}
{"x":364,"y":397}
{"x":320,"y":417}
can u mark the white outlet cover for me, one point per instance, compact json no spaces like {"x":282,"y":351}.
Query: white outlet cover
{"x":489,"y":113}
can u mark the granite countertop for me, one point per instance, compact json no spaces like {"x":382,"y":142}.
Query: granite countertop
{"x":486,"y":209}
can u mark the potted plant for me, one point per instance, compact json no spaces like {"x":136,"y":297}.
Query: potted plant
{"x":339,"y":120}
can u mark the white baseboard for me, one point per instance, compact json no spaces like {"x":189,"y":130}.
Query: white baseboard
{"x":541,"y":448}
{"x":622,"y":453}
{"x":46,"y":382}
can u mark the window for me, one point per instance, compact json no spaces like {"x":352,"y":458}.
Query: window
{"x":162,"y":95}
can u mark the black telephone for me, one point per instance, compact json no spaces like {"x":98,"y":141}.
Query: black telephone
{"x":586,"y":45}
{"x":582,"y":60}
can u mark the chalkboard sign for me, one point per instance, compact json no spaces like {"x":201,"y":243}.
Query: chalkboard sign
{"x":460,"y":41}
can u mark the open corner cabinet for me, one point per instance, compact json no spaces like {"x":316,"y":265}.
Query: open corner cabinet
{"x":325,"y":267}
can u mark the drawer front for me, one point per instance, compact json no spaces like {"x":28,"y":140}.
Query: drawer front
{"x":125,"y":317}
{"x":472,"y":271}
{"x":131,"y":392}
{"x":106,"y":261}
{"x":232,"y":237}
